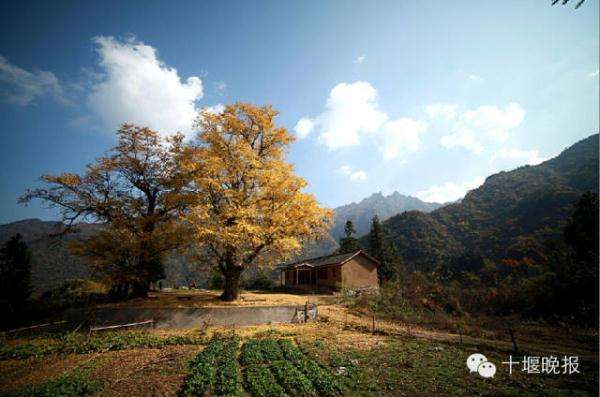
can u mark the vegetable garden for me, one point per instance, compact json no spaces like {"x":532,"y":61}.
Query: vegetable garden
{"x":264,"y":367}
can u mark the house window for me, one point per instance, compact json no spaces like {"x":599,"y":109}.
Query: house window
{"x":322,"y":273}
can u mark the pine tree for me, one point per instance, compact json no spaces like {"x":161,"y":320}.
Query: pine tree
{"x":15,"y":272}
{"x":376,"y":239}
{"x":348,"y":243}
{"x":388,"y":259}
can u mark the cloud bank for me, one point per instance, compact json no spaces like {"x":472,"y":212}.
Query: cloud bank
{"x":474,"y":128}
{"x":352,"y":114}
{"x":137,"y":87}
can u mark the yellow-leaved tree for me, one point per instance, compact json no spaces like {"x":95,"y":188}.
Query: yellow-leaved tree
{"x":137,"y":193}
{"x":249,"y":203}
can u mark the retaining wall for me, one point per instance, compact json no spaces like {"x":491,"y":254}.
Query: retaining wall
{"x":196,"y":317}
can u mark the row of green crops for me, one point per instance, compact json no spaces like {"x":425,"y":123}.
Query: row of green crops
{"x":276,"y":367}
{"x":260,"y":351}
{"x":272,"y":368}
{"x":259,"y":381}
{"x":75,"y":384}
{"x":227,"y":370}
{"x":214,"y":369}
{"x":63,"y":386}
{"x":83,"y":343}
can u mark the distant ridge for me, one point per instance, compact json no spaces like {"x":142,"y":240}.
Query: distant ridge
{"x":384,"y":207}
{"x":511,"y":215}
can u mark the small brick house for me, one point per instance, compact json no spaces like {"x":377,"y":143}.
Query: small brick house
{"x":353,"y":270}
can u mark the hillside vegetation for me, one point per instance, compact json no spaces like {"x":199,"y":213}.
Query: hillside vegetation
{"x":512,"y":214}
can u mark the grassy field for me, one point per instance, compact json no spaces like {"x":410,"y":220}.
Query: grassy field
{"x":338,"y":355}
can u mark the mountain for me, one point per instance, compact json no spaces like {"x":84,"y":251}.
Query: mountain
{"x":52,"y":263}
{"x":509,"y":216}
{"x":384,"y":207}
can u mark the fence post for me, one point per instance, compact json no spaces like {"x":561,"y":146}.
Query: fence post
{"x":306,"y":312}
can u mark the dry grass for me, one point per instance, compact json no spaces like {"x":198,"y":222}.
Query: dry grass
{"x":210,"y":298}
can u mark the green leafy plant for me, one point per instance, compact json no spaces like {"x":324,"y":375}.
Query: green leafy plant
{"x":202,"y":370}
{"x":289,"y":350}
{"x":227,"y":370}
{"x":259,"y":381}
{"x":82,"y":343}
{"x":323,"y":381}
{"x":251,"y":353}
{"x":65,"y":385}
{"x":291,"y":379}
{"x":270,"y":350}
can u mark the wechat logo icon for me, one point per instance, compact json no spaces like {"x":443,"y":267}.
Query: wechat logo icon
{"x":479,"y":363}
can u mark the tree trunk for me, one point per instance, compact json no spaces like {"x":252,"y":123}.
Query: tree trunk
{"x":232,"y":285}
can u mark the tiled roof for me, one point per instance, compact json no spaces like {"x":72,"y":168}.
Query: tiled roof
{"x":326,"y":260}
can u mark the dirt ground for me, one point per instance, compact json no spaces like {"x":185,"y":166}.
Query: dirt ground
{"x":210,"y":298}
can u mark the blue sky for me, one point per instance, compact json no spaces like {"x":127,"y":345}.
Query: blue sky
{"x":426,"y":98}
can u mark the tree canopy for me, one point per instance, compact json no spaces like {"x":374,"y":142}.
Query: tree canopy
{"x":249,"y":204}
{"x":138,"y":192}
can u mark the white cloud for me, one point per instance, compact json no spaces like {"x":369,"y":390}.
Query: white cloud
{"x":401,"y":136}
{"x":351,"y":111}
{"x":442,"y":110}
{"x":530,"y":157}
{"x":449,"y":191}
{"x":140,"y":88}
{"x":304,"y":127}
{"x":485,"y":124}
{"x":352,"y":114}
{"x":360,"y":59}
{"x":358,"y":175}
{"x":21,"y":87}
{"x":215,"y":109}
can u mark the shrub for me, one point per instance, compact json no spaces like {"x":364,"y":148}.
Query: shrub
{"x":260,"y":280}
{"x":216,"y":279}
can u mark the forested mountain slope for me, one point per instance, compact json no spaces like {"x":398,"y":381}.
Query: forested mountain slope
{"x":509,"y":216}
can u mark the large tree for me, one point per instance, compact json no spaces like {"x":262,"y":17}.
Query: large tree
{"x":138,"y":192}
{"x":249,"y":203}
